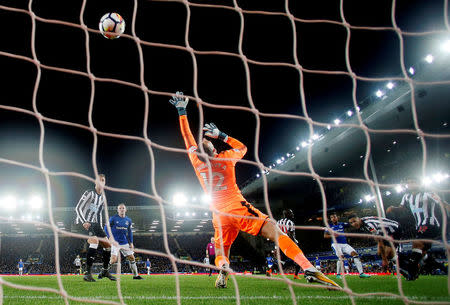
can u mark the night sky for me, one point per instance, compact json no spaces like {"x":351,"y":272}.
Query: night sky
{"x":221,"y":80}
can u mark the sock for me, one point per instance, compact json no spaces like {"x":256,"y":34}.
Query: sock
{"x":221,"y":261}
{"x":339,"y":267}
{"x":416,"y":256}
{"x":358,"y":265}
{"x":90,"y":257}
{"x":297,"y":269}
{"x":106,"y":257}
{"x":293,"y":252}
{"x":133,"y":267}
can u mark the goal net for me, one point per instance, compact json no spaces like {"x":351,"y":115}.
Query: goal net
{"x":338,"y":102}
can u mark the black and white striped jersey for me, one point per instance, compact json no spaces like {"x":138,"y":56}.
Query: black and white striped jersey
{"x":90,"y":207}
{"x":286,"y":225}
{"x":424,"y":206}
{"x":374,"y":225}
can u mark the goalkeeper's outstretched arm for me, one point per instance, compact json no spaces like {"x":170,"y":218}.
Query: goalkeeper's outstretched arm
{"x":180,"y":102}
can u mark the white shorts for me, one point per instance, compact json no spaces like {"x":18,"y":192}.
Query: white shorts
{"x":20,"y":269}
{"x":124,"y":249}
{"x":341,"y":249}
{"x":318,"y":267}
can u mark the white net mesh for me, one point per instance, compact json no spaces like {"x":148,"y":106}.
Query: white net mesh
{"x":277,"y":70}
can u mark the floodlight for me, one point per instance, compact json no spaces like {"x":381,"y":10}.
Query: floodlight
{"x":9,"y":202}
{"x":426,"y":181}
{"x":446,"y":46}
{"x":411,"y":71}
{"x":368,"y":198}
{"x":179,"y":199}
{"x":315,"y":136}
{"x":337,"y":121}
{"x":304,"y":144}
{"x":429,"y":58}
{"x":257,"y":175}
{"x":388,"y":193}
{"x":328,"y":127}
{"x":439,"y":177}
{"x":35,"y":202}
{"x":349,"y":113}
{"x":379,"y":93}
{"x":399,"y":189}
{"x":390,"y":85}
{"x":279,"y":161}
{"x":206,"y":199}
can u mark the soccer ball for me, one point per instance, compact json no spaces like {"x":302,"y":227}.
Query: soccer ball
{"x":112,"y":25}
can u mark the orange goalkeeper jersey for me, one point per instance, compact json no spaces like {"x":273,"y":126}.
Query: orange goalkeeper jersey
{"x":219,"y":180}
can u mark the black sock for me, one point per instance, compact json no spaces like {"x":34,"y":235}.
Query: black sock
{"x":416,"y":257}
{"x":106,"y":257}
{"x":297,"y":269}
{"x":90,"y":257}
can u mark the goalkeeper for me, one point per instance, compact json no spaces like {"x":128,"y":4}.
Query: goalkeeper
{"x":218,"y":180}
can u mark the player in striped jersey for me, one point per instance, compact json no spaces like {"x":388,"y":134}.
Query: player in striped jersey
{"x":341,"y":247}
{"x":375,"y":225}
{"x":231,"y":211}
{"x":89,"y":214}
{"x":287,"y":226}
{"x":426,"y":207}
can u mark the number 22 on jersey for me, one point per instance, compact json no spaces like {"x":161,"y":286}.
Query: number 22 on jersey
{"x":215,"y":176}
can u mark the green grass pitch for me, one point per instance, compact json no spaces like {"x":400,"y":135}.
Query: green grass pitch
{"x":199,"y":289}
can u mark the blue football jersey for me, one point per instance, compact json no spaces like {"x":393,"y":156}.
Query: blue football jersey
{"x":120,"y":229}
{"x":339,"y":227}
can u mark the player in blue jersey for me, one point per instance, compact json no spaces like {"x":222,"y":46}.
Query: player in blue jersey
{"x":20,"y":266}
{"x":121,"y":231}
{"x":341,"y":247}
{"x":270,"y":261}
{"x":346,"y":266}
{"x":317,"y":262}
{"x":148,"y":265}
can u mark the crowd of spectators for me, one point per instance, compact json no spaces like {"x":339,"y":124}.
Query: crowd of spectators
{"x":38,"y":253}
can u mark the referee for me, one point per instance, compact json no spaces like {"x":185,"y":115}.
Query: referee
{"x":287,"y":226}
{"x":89,"y":214}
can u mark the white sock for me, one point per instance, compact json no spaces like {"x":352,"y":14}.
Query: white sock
{"x":134,"y":268}
{"x":358,"y":265}
{"x":339,"y":267}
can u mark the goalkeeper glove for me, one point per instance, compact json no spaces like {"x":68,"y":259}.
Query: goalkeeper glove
{"x":213,"y":132}
{"x":180,"y":102}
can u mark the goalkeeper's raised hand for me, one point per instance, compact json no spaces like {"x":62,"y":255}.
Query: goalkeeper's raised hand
{"x":180,"y":102}
{"x":213,"y":132}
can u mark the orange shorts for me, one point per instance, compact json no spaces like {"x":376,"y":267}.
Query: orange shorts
{"x":230,"y":226}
